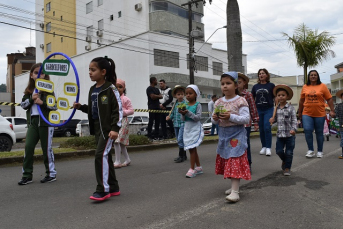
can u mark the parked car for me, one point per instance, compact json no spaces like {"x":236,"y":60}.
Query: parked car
{"x":7,"y":135}
{"x":133,"y":119}
{"x":68,"y":129}
{"x":78,"y":126}
{"x":19,"y":127}
{"x":207,"y":125}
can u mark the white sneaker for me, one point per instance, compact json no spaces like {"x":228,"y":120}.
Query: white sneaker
{"x":310,"y":154}
{"x":263,"y":150}
{"x":228,"y":192}
{"x":268,"y":152}
{"x":233,"y":197}
{"x":320,"y":154}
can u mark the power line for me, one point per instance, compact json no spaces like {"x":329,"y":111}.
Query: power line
{"x":109,"y":45}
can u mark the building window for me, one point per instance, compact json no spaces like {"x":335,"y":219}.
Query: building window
{"x":53,"y":13}
{"x":201,"y":63}
{"x":89,"y":7}
{"x":119,"y":14}
{"x":217,"y":68}
{"x":166,"y":58}
{"x":48,"y":7}
{"x":48,"y":47}
{"x":174,"y":9}
{"x":90,"y":30}
{"x":100,"y":2}
{"x":101,"y":24}
{"x":61,"y":18}
{"x":61,"y":39}
{"x":48,"y":27}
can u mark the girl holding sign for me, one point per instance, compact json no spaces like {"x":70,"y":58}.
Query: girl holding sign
{"x":37,"y":128}
{"x":104,"y":114}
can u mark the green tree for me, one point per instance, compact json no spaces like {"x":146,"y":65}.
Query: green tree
{"x":234,"y":36}
{"x":2,"y":87}
{"x":310,"y":48}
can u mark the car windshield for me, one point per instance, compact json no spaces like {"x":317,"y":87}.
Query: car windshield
{"x":130,"y":118}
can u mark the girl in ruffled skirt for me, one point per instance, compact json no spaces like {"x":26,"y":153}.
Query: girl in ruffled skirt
{"x":231,"y":112}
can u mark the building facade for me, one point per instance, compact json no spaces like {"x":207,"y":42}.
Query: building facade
{"x":18,"y":63}
{"x":144,"y":38}
{"x":337,"y":82}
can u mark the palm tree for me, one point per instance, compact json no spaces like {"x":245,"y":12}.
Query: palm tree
{"x":234,"y":36}
{"x":310,"y":48}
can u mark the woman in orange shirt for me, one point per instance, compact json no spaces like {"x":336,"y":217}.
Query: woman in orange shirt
{"x":312,"y":111}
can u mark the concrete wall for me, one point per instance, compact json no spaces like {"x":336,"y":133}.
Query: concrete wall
{"x":291,"y":81}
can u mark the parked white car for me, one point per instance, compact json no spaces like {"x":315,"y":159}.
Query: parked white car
{"x":7,"y":135}
{"x":19,"y":127}
{"x":207,"y":125}
{"x":78,"y":126}
{"x":138,"y":119}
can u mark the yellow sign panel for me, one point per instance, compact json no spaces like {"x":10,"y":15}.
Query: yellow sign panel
{"x":63,"y":104}
{"x":54,"y":117}
{"x":70,"y":89}
{"x":44,"y":85}
{"x":50,"y":100}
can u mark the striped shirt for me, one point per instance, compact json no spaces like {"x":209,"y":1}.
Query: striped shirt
{"x":286,"y":120}
{"x":176,"y":116}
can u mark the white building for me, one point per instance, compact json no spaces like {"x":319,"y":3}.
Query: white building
{"x":144,"y":38}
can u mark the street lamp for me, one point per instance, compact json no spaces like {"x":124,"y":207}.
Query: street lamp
{"x":224,"y":27}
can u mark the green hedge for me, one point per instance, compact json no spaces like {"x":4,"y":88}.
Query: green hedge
{"x":89,"y":142}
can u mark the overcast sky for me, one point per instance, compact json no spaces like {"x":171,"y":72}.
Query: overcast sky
{"x":261,"y":20}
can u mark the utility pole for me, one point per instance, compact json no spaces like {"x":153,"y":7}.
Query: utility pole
{"x":190,"y":37}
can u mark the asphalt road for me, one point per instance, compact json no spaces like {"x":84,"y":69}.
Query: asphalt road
{"x":156,"y":194}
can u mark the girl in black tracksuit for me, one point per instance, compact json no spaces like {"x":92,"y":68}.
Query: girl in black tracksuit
{"x":104,"y":114}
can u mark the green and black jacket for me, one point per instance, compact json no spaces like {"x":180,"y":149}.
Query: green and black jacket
{"x":27,"y":102}
{"x":109,"y":109}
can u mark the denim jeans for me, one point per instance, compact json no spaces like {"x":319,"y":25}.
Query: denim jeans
{"x":316,"y":124}
{"x":264,"y":126}
{"x":179,"y":135}
{"x":214,"y":126}
{"x":248,"y":129}
{"x":287,"y":154}
{"x":341,"y":132}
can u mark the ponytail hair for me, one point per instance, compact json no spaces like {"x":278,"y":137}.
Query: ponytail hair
{"x":110,"y":67}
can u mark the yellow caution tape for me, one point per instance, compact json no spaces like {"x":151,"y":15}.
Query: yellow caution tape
{"x":136,"y":110}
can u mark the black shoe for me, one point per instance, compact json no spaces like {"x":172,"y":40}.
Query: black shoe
{"x":179,"y":160}
{"x":48,"y":179}
{"x":25,"y":181}
{"x":100,"y":196}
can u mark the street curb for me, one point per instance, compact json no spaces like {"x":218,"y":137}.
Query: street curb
{"x":83,"y":153}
